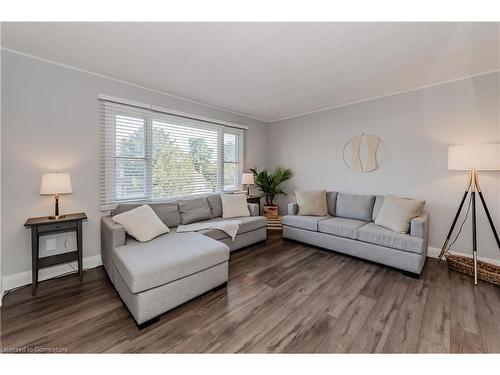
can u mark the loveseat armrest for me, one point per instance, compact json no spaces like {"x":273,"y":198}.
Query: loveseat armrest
{"x":254,"y":209}
{"x":293,"y":208}
{"x":419,"y":226}
{"x":112,"y":234}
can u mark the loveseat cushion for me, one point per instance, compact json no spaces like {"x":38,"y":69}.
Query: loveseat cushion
{"x":167,"y":258}
{"x":375,"y":234}
{"x":194,"y":210}
{"x":341,"y":227}
{"x":248,"y":224}
{"x":352,"y":206}
{"x":303,"y":222}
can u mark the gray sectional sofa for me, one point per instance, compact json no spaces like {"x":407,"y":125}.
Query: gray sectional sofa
{"x":349,"y":228}
{"x":156,"y":276}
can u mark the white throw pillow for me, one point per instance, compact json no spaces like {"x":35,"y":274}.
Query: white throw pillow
{"x":312,"y":203}
{"x":234,"y":205}
{"x":142,"y":223}
{"x":396,"y":213}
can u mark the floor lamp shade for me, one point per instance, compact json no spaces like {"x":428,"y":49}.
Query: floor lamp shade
{"x":481,"y":157}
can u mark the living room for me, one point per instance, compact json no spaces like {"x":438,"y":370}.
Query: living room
{"x":250,"y":187}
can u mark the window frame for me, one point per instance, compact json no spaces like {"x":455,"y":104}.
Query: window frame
{"x":149,"y":118}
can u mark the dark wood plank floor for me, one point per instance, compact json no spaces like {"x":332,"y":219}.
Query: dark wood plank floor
{"x":282,"y":297}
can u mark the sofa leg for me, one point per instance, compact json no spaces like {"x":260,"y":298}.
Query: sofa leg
{"x":147,"y":323}
{"x":219,"y":287}
{"x":411,"y":274}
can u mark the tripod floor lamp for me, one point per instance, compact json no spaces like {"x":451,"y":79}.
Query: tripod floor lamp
{"x":473,"y":158}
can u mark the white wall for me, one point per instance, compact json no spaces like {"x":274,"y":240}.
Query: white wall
{"x":50,"y":120}
{"x":416,"y":129}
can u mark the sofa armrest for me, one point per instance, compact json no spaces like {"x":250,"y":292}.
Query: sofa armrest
{"x":112,"y":234}
{"x":419,"y":226}
{"x":293,"y":208}
{"x":254,"y":209}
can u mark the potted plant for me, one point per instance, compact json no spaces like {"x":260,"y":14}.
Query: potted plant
{"x":269,"y":183}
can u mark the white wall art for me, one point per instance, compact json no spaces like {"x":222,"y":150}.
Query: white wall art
{"x":363,"y":153}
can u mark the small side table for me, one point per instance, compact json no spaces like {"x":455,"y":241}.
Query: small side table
{"x":43,"y":226}
{"x":254,"y":199}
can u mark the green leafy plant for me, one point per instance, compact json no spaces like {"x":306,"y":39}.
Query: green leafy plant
{"x":269,"y":182}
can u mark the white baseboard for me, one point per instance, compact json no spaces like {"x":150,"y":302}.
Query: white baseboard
{"x":433,"y":252}
{"x":24,"y":278}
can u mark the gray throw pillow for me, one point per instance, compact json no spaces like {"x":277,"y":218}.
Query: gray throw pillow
{"x":352,"y":206}
{"x":193,"y":210}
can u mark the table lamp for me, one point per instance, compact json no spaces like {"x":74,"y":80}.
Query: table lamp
{"x":55,"y":184}
{"x":247,"y":179}
{"x":473,"y":158}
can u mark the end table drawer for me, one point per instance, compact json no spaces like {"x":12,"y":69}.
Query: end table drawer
{"x":57,"y":227}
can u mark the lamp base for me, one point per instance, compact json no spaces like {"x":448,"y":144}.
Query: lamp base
{"x":57,"y":217}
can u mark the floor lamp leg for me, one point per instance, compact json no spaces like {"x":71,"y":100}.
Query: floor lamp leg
{"x":492,"y":225}
{"x":474,"y":236}
{"x":443,"y":249}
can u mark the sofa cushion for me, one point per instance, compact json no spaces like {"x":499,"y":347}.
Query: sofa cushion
{"x":194,"y":210}
{"x":215,"y":203}
{"x":352,"y":206}
{"x":124,"y":207}
{"x":341,"y":227}
{"x":375,"y":234}
{"x":312,"y":203}
{"x":248,"y":224}
{"x":303,"y":222}
{"x":167,"y":258}
{"x":379,"y":201}
{"x":141,"y":223}
{"x":234,"y":205}
{"x":331,"y":202}
{"x":168,"y":212}
{"x":396,"y":213}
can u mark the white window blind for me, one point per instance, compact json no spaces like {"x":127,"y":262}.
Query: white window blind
{"x":149,"y":156}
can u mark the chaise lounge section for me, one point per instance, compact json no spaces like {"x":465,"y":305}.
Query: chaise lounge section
{"x":155,"y":276}
{"x":349,"y":228}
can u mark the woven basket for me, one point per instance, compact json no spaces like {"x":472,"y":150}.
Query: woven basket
{"x":485,"y":271}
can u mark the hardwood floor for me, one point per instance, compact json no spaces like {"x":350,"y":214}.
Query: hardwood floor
{"x":282,"y":297}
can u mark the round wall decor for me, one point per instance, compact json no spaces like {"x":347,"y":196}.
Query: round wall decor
{"x":363,"y":153}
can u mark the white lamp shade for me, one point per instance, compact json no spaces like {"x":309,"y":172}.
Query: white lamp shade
{"x":247,"y":179}
{"x":481,"y":157}
{"x":55,"y":183}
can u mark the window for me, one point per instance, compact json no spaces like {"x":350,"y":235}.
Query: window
{"x":151,"y":156}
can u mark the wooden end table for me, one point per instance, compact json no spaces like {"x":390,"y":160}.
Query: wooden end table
{"x":43,"y":226}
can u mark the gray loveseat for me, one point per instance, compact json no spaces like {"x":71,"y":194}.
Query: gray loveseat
{"x":350,"y":229}
{"x":156,"y":276}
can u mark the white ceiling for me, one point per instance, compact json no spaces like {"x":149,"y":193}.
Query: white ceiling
{"x":268,"y":71}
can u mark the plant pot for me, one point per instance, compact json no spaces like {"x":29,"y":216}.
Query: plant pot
{"x":270,"y":212}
